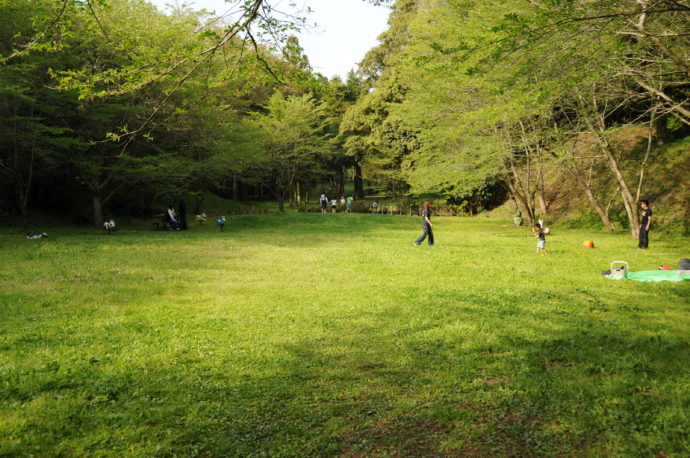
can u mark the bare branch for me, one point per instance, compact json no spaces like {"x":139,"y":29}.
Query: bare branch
{"x":257,"y":53}
{"x":677,"y":107}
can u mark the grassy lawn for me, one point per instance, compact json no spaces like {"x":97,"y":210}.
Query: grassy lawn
{"x":310,"y":334}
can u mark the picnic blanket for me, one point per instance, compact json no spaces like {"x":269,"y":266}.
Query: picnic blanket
{"x":653,"y":276}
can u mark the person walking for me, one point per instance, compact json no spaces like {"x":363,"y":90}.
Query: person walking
{"x":426,"y":225}
{"x":645,"y":225}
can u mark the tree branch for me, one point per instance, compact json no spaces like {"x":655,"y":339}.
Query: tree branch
{"x":685,"y":114}
{"x":38,"y":37}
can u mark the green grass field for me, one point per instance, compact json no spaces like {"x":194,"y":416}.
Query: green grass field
{"x":310,"y":334}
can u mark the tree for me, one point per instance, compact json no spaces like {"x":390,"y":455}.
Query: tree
{"x":292,"y":136}
{"x":33,"y":129}
{"x":377,"y":142}
{"x":476,"y":79}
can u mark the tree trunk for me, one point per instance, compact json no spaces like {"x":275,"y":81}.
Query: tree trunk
{"x":23,"y":195}
{"x":182,"y":214}
{"x":359,"y":186}
{"x":23,"y":209}
{"x":514,"y":199}
{"x":528,"y":191}
{"x":298,"y":197}
{"x":341,"y":181}
{"x":528,"y":210}
{"x":97,"y":209}
{"x":540,"y":185}
{"x":23,"y":184}
{"x":594,"y":202}
{"x":523,"y":194}
{"x":281,"y":206}
{"x":198,"y":204}
{"x":628,"y":199}
{"x":235,"y":189}
{"x":650,"y":138}
{"x":587,"y":189}
{"x":542,"y":202}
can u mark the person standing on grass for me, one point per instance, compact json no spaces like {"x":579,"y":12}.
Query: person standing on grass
{"x":324,"y":202}
{"x":645,"y":225}
{"x":426,"y":225}
{"x":349,"y":204}
{"x":334,"y":203}
{"x":540,"y":235}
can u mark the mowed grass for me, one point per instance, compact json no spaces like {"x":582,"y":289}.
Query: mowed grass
{"x":310,"y":334}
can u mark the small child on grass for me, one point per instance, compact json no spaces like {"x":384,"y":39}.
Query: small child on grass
{"x":540,"y":235}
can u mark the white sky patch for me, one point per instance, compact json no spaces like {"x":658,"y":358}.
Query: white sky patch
{"x":345,"y":31}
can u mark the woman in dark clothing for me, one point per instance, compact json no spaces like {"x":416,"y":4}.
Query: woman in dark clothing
{"x":645,"y":225}
{"x":426,"y":225}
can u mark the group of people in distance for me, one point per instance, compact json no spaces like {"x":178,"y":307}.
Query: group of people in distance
{"x":324,"y":201}
{"x":538,"y":230}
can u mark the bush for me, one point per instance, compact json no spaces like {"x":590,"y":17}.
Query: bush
{"x":361,"y":206}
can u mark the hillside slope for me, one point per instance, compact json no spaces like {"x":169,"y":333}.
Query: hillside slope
{"x":665,"y":181}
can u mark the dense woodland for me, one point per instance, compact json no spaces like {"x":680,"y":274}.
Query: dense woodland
{"x":112,"y":107}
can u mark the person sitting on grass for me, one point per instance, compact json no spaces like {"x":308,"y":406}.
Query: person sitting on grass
{"x":171,"y":218}
{"x":540,"y":235}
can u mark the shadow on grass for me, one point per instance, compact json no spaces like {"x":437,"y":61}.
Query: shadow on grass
{"x":281,"y":229}
{"x":467,"y":378}
{"x":367,"y":393}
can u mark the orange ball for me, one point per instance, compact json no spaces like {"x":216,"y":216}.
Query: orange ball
{"x":587,"y":244}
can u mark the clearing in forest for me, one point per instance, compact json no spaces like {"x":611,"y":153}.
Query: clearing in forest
{"x":332,"y":334}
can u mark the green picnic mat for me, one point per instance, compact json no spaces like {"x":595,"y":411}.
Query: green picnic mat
{"x":652,"y":276}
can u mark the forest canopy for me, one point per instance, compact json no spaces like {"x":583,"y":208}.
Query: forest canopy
{"x":113,"y":105}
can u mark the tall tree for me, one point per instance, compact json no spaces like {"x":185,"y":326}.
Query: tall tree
{"x":292,"y":135}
